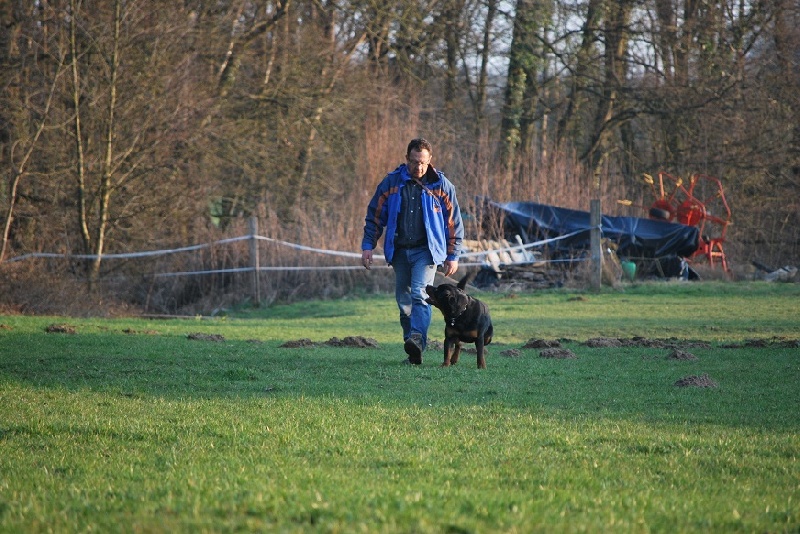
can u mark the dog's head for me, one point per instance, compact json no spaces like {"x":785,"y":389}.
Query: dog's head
{"x":449,"y":298}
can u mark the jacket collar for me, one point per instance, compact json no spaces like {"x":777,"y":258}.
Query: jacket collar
{"x":431,"y":176}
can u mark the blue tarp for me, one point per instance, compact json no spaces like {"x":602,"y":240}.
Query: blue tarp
{"x":636,"y":237}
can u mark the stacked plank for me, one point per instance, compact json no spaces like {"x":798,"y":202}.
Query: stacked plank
{"x":513,"y":264}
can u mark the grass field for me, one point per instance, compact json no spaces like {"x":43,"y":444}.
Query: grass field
{"x":211,"y":425}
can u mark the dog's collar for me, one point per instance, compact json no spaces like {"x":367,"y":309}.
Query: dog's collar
{"x":453,"y":320}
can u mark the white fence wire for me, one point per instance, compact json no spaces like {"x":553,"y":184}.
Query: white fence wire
{"x":479,"y":257}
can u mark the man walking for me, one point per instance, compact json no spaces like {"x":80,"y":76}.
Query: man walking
{"x":416,"y":206}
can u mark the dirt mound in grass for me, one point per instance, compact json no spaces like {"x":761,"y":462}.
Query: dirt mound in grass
{"x":133,"y":332}
{"x":557,"y":353}
{"x":696,"y":381}
{"x":353,"y":341}
{"x":614,"y":342}
{"x":776,"y":342}
{"x":679,"y":354}
{"x":349,"y":341}
{"x":60,"y":329}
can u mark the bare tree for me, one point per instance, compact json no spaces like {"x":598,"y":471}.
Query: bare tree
{"x":126,"y":112}
{"x":583,"y":73}
{"x":608,"y":113}
{"x":527,"y":63}
{"x":19,"y":167}
{"x":27,"y":111}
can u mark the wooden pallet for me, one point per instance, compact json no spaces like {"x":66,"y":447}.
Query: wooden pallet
{"x":500,"y":253}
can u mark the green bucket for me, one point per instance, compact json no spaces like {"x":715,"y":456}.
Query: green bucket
{"x":629,"y":268}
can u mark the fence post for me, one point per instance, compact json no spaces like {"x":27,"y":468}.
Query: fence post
{"x":597,"y":253}
{"x":254,"y":260}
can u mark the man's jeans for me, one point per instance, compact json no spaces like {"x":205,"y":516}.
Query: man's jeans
{"x":413,"y":270}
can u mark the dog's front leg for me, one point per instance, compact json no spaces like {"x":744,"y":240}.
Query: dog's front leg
{"x":451,"y":349}
{"x":456,"y":352}
{"x":480,"y":348}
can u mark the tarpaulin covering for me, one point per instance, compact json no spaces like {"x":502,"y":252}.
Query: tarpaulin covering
{"x":636,"y":237}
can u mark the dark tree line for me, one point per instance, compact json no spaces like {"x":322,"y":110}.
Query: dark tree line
{"x":135,"y":124}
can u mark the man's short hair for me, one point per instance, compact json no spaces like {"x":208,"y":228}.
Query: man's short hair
{"x":419,"y":145}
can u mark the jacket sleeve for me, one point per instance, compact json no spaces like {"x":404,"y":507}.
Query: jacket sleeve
{"x":454,"y":224}
{"x":375,"y":219}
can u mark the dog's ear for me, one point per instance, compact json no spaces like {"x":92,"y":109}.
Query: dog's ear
{"x":466,"y":279}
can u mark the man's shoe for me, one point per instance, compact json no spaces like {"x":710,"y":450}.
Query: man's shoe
{"x":413,"y":347}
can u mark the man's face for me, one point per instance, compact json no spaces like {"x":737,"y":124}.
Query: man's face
{"x":417,"y":162}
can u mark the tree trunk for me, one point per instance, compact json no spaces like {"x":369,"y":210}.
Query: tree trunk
{"x":80,"y":166}
{"x":521,"y":83}
{"x":787,"y":44}
{"x":483,"y":76}
{"x":451,"y":16}
{"x":581,"y":77}
{"x":615,"y":73}
{"x":106,"y":180}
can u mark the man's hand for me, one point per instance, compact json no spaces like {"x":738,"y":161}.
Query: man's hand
{"x":366,"y":259}
{"x":450,"y":267}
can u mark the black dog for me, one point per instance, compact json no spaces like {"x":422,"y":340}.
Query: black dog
{"x":466,"y":319}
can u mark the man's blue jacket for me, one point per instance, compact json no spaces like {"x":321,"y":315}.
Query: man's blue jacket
{"x":440,"y":210}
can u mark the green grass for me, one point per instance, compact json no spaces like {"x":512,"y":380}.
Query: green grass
{"x":152,"y":432}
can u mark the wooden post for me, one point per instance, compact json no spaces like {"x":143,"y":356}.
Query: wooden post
{"x":254,"y":260}
{"x":597,"y":253}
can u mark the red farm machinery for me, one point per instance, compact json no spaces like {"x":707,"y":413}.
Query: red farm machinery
{"x":699,"y":202}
